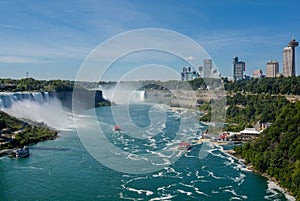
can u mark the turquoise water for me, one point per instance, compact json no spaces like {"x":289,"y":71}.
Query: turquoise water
{"x":62,"y":169}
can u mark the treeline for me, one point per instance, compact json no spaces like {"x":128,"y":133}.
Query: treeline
{"x":277,"y":151}
{"x":30,"y":84}
{"x":280,"y":85}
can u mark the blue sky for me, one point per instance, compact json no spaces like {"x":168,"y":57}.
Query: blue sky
{"x":51,"y":39}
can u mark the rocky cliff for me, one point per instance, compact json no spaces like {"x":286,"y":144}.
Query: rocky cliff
{"x":81,"y":99}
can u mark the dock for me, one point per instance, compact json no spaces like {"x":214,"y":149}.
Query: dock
{"x":5,"y":152}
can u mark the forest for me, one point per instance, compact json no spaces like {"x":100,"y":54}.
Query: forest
{"x":30,"y":84}
{"x":277,"y":151}
{"x":280,"y":85}
{"x":247,"y":110}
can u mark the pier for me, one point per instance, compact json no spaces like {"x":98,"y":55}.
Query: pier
{"x":5,"y":152}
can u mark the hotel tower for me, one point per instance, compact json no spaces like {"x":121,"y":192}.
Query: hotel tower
{"x":289,"y":66}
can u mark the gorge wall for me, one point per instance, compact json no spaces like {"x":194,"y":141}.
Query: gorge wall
{"x":84,"y":99}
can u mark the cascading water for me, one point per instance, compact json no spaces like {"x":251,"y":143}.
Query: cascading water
{"x":138,"y":96}
{"x":124,"y":96}
{"x":7,"y":99}
{"x":36,"y":106}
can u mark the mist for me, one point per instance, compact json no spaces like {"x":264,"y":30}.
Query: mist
{"x":50,"y":112}
{"x":123,"y":94}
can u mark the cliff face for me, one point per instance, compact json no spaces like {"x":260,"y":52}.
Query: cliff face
{"x":183,"y":98}
{"x":81,"y":99}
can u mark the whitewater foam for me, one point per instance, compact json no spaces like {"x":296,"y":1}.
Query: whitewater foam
{"x":184,"y":192}
{"x":232,"y":191}
{"x":273,"y":188}
{"x":147,"y":192}
{"x":50,"y":112}
{"x":165,"y":197}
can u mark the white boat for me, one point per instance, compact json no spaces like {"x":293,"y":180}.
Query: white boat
{"x":21,"y":152}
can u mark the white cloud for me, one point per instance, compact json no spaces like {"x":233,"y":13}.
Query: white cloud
{"x":190,"y":58}
{"x":16,"y":59}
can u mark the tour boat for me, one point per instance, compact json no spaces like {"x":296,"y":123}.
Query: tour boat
{"x":21,"y":152}
{"x":184,"y":146}
{"x":116,"y":128}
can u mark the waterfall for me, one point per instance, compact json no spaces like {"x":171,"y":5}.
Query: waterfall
{"x":138,"y":96}
{"x":36,"y":106}
{"x":7,"y":99}
{"x":124,"y":96}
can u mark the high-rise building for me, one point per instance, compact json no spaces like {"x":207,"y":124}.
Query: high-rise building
{"x":207,"y":67}
{"x":238,"y":69}
{"x":289,"y":66}
{"x":187,"y":74}
{"x":287,"y":62}
{"x":272,"y":68}
{"x":258,"y":74}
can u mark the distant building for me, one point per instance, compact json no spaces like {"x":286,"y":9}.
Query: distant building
{"x":238,"y":69}
{"x":258,"y":74}
{"x":215,"y":74}
{"x":187,"y":74}
{"x":287,"y":62}
{"x":207,"y":68}
{"x":250,"y":132}
{"x":289,"y":65}
{"x":262,"y":126}
{"x":272,"y":68}
{"x":200,"y":68}
{"x":265,"y":125}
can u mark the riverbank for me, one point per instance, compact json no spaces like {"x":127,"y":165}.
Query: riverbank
{"x":272,"y":182}
{"x":15,"y":133}
{"x":249,"y":167}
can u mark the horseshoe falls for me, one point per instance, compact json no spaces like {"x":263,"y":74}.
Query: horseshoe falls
{"x":75,"y":167}
{"x":121,"y":96}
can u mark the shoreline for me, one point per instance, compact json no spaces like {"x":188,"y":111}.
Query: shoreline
{"x":41,"y":132}
{"x":8,"y":151}
{"x":250,"y":168}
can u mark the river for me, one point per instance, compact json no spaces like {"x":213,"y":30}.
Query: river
{"x":68,"y":169}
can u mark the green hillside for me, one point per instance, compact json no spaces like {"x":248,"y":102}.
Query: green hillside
{"x":277,"y":151}
{"x":18,"y":133}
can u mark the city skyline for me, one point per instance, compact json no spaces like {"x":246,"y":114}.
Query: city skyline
{"x":50,"y":40}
